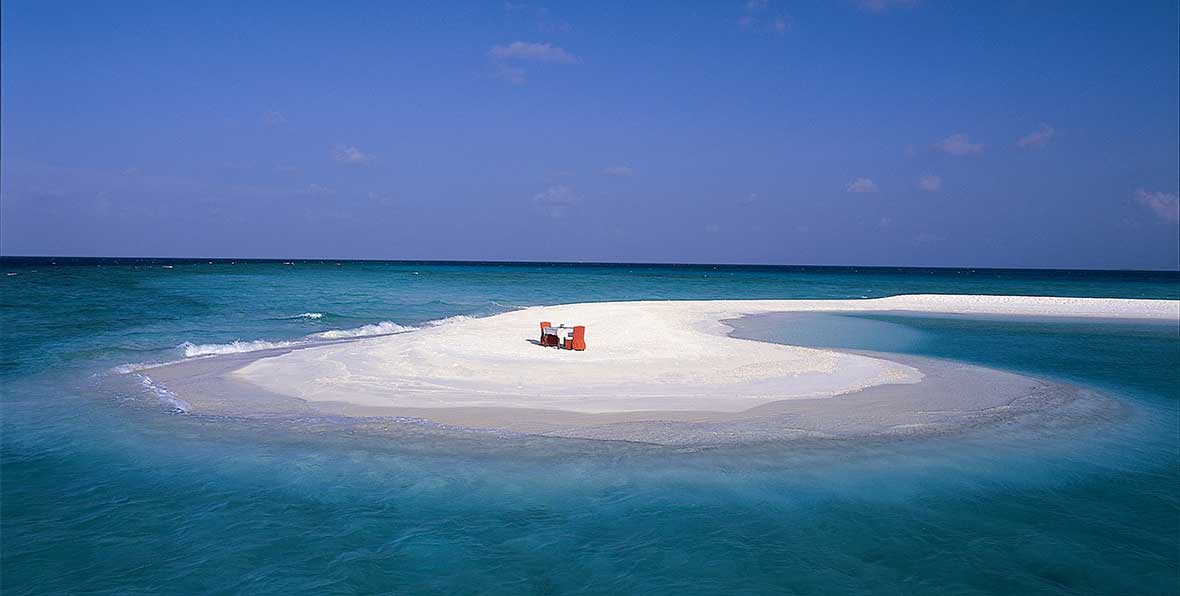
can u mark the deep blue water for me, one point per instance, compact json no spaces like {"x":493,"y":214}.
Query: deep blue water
{"x":113,"y":492}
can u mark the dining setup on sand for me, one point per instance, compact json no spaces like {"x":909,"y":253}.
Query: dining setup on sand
{"x":563,"y":336}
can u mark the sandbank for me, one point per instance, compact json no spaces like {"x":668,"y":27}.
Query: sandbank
{"x":653,"y":369}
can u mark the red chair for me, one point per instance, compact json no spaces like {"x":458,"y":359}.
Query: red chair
{"x":547,"y":340}
{"x":579,"y":340}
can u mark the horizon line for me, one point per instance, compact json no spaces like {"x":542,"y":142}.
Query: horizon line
{"x":582,"y":263}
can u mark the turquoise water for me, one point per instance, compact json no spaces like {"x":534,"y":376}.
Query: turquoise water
{"x":107,"y":491}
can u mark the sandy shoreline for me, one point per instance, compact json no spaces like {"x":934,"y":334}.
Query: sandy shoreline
{"x":659,"y":371}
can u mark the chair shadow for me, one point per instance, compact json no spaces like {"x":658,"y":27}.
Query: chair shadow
{"x":535,"y":342}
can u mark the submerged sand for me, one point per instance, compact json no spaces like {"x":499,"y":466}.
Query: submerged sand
{"x":654,"y":371}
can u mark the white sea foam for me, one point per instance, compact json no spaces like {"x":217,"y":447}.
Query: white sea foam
{"x":192,"y":350}
{"x":314,"y":316}
{"x":164,"y":394}
{"x":382,"y":328}
{"x":134,"y":367}
{"x":448,"y":320}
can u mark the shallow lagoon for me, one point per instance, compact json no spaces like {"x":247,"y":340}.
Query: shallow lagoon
{"x":116,"y":493}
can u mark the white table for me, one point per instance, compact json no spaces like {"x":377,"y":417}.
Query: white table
{"x":561,"y":331}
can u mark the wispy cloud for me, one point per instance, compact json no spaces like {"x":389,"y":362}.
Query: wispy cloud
{"x":558,"y":194}
{"x":930,"y":183}
{"x":1165,"y":205}
{"x":507,"y":59}
{"x":618,"y":170}
{"x":754,"y":17}
{"x":959,"y":144}
{"x":861,"y":185}
{"x":317,"y":190}
{"x":1037,"y":138}
{"x":881,"y":6}
{"x":533,"y":52}
{"x":556,"y":200}
{"x":546,"y":24}
{"x":350,"y":154}
{"x":926,"y":237}
{"x":509,"y":73}
{"x":383,"y":198}
{"x":273,"y":118}
{"x":553,"y":27}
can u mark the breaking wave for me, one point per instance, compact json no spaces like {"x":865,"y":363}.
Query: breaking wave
{"x":192,"y":350}
{"x":382,"y":328}
{"x":448,"y":320}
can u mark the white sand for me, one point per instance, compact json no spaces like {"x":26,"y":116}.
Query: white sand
{"x":642,"y":356}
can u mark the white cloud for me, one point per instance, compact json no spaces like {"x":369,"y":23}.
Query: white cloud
{"x":273,"y":118}
{"x":556,"y":200}
{"x":757,"y":5}
{"x":861,"y":185}
{"x":880,"y":6}
{"x":959,"y":144}
{"x":1165,"y":205}
{"x":930,"y":183}
{"x":350,"y":154}
{"x":781,"y":25}
{"x":618,"y":170}
{"x":1037,"y":138}
{"x":533,"y":52}
{"x":506,"y":59}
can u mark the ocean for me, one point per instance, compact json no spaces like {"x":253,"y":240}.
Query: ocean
{"x":110,"y":488}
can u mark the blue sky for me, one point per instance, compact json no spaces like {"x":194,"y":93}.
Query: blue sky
{"x":886,"y":132}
